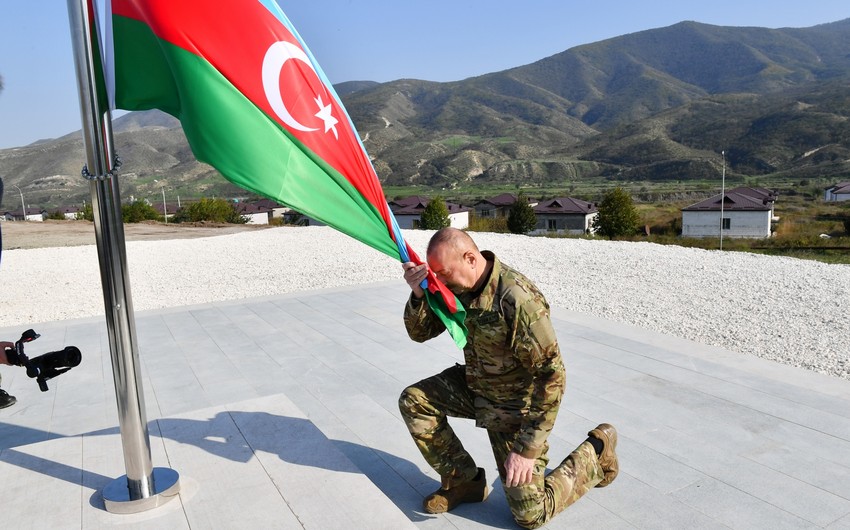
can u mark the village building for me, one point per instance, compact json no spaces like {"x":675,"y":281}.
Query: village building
{"x":255,"y":213}
{"x":167,"y":212}
{"x":408,"y":212}
{"x":498,"y":206}
{"x":70,"y":213}
{"x":747,"y":213}
{"x":31,"y":214}
{"x":565,"y":215}
{"x":839,"y":192}
{"x":275,"y":209}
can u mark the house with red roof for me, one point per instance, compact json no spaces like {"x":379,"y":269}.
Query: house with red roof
{"x":565,"y":215}
{"x":747,"y":213}
{"x":277,"y":210}
{"x":68,"y":212}
{"x":31,"y":214}
{"x":256,"y":213}
{"x":408,"y":212}
{"x":498,"y":206}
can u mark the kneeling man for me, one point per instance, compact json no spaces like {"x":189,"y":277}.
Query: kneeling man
{"x":511,"y":384}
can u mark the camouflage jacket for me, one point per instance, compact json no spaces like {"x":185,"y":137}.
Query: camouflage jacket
{"x":513,"y":363}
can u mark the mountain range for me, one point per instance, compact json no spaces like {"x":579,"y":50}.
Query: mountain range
{"x":655,"y":105}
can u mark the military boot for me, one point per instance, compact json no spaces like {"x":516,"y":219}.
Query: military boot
{"x":449,"y":496}
{"x":607,"y":434}
{"x":6,"y":400}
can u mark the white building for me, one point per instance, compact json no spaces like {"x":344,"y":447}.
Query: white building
{"x":747,"y":213}
{"x":276,"y":209}
{"x":408,"y":212}
{"x":839,"y":192}
{"x":31,"y":214}
{"x":565,"y":215}
{"x":70,"y":213}
{"x":255,"y":214}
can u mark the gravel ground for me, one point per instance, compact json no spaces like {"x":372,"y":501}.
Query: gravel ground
{"x":783,"y":309}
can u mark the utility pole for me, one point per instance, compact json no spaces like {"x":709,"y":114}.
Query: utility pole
{"x":23,"y":206}
{"x":164,"y":206}
{"x":722,"y":196}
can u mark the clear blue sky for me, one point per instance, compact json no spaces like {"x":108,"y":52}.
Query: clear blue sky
{"x":377,"y":40}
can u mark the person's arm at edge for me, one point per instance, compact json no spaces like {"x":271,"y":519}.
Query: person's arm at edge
{"x":3,"y":346}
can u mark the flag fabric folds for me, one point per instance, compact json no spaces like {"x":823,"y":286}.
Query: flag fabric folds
{"x":254,"y":104}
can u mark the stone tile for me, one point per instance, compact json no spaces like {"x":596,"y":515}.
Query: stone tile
{"x":645,"y":507}
{"x":735,"y":508}
{"x":297,"y":456}
{"x":653,"y":468}
{"x":841,"y":524}
{"x":804,"y":466}
{"x":718,"y":460}
{"x":27,"y":469}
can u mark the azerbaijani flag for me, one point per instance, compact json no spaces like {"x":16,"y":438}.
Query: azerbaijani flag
{"x":255,"y":105}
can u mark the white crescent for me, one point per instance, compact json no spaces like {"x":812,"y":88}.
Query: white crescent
{"x":276,"y":56}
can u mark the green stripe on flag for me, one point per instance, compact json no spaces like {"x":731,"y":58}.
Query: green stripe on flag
{"x":454,"y":323}
{"x":229,"y":132}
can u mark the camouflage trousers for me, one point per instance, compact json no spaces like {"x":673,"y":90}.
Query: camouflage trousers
{"x":425,"y":407}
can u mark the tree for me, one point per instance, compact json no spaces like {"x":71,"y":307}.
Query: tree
{"x":138,"y":211}
{"x":435,"y":215}
{"x":521,"y":217}
{"x":214,"y":210}
{"x":86,"y":214}
{"x":617,"y":215}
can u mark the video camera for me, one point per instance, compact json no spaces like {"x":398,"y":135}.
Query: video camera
{"x":43,"y":367}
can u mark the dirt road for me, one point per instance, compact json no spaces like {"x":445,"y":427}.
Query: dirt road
{"x":20,"y":234}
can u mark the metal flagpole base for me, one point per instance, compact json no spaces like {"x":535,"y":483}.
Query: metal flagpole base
{"x":116,"y":494}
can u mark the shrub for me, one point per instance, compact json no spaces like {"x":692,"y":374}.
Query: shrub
{"x":212,"y":210}
{"x":86,"y":214}
{"x":139,"y":211}
{"x":497,"y":225}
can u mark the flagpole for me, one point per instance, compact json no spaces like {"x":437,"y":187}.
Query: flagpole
{"x":143,"y":487}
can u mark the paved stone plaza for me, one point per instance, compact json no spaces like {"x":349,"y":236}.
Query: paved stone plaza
{"x":281,"y":412}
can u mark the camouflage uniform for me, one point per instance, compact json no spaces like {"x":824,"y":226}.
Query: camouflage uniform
{"x":511,"y":385}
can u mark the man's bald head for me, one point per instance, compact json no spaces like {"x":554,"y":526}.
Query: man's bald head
{"x":455,"y":259}
{"x":458,"y":239}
